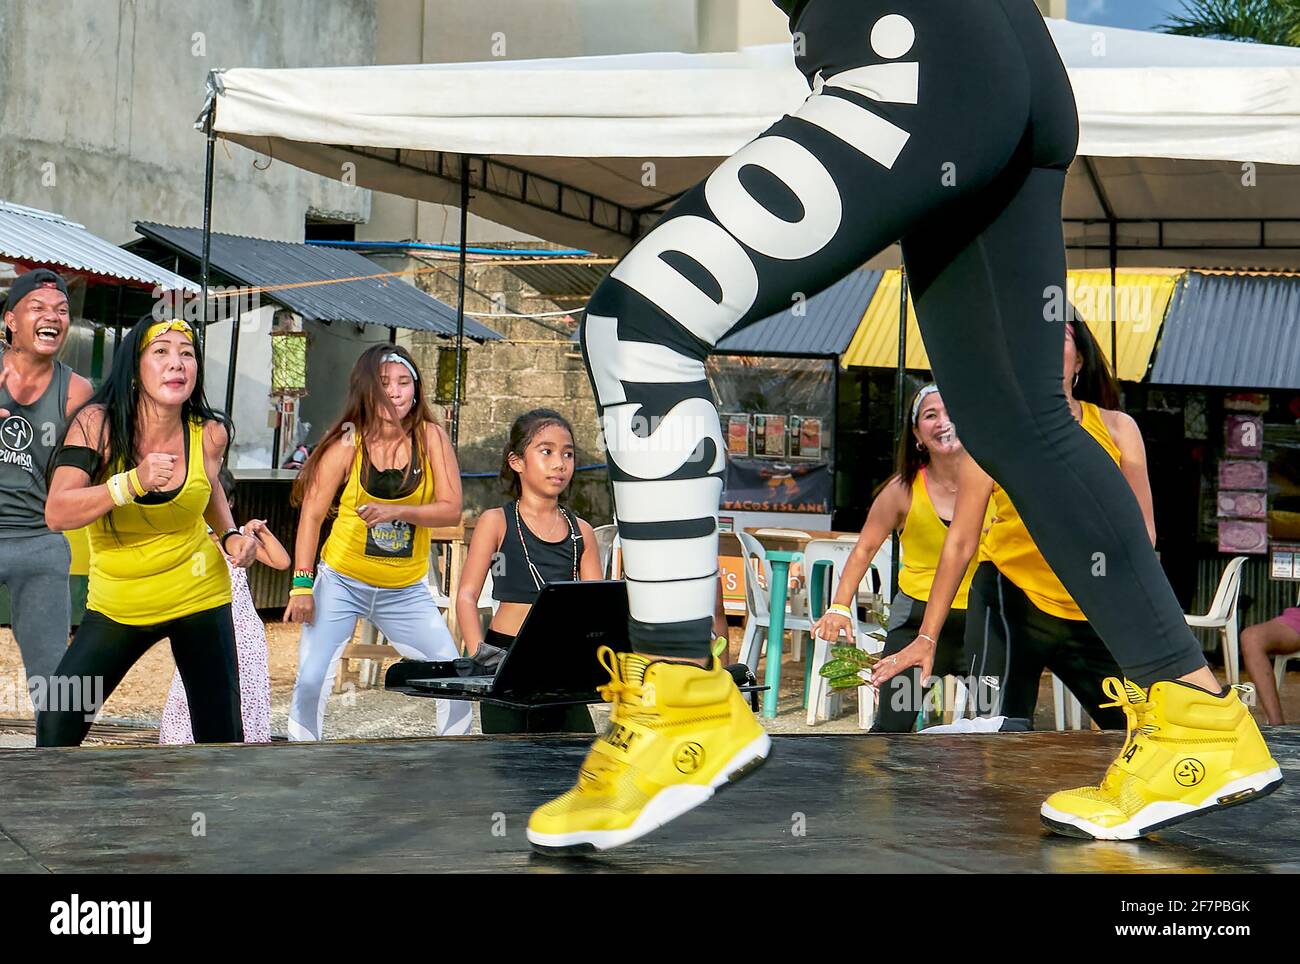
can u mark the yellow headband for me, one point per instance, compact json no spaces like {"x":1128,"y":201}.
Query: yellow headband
{"x":162,"y":327}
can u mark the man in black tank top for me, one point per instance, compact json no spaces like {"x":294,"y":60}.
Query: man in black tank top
{"x":37,"y":393}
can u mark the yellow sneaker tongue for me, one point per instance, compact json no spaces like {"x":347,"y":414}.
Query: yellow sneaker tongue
{"x":1135,"y":693}
{"x":632,"y":667}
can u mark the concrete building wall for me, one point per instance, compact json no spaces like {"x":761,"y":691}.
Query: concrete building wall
{"x":535,"y":367}
{"x":460,"y":31}
{"x":97,"y":104}
{"x":98,"y":99}
{"x":253,"y":432}
{"x":331,"y":353}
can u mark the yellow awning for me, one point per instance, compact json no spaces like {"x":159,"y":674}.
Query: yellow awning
{"x":1142,"y":299}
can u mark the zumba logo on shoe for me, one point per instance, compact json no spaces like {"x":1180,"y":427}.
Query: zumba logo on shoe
{"x":1189,"y":772}
{"x":689,"y":757}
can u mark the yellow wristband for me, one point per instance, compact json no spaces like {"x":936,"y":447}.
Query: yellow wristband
{"x":841,"y":610}
{"x":134,"y":481}
{"x":297,"y":591}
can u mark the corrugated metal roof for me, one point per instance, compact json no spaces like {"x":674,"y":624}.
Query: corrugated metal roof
{"x":1142,"y":297}
{"x":561,"y":280}
{"x":825,"y":330}
{"x":1233,"y":332}
{"x":320,"y":284}
{"x":41,"y":238}
{"x":1141,"y":304}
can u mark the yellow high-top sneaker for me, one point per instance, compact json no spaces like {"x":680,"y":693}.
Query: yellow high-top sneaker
{"x":677,"y":733}
{"x":1188,"y":752}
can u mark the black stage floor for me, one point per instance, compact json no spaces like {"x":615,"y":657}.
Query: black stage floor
{"x":821,"y":804}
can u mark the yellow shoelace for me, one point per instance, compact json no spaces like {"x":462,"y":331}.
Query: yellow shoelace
{"x":617,"y":689}
{"x":1123,"y":694}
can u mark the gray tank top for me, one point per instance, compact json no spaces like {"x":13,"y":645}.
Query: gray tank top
{"x":27,"y":439}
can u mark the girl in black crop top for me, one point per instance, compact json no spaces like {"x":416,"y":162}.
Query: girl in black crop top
{"x":528,"y":542}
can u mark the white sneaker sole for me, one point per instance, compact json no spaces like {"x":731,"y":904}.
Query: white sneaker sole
{"x":665,"y":806}
{"x":1164,"y":813}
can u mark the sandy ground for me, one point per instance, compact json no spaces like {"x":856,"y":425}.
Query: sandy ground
{"x":360,"y":711}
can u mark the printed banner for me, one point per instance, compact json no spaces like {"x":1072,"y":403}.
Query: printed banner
{"x":763,"y":486}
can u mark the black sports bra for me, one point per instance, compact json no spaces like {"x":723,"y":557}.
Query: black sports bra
{"x":524,"y":562}
{"x":387,"y":483}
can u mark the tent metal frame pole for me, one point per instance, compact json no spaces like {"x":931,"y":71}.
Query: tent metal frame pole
{"x":460,"y":300}
{"x":205,"y":263}
{"x":1114,"y":298}
{"x":900,"y":411}
{"x":233,"y":364}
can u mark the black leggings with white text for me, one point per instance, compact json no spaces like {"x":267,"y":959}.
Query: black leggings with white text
{"x":948,"y":125}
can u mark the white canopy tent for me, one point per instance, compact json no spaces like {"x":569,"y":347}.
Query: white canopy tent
{"x":589,"y":151}
{"x":1189,"y":149}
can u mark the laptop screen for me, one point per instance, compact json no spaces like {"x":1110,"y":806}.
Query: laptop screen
{"x":554,"y":652}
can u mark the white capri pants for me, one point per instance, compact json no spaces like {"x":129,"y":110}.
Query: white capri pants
{"x":407,"y":617}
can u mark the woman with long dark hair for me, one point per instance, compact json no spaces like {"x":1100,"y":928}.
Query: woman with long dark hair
{"x":138,"y":464}
{"x":398,"y":478}
{"x":1020,"y":619}
{"x":918,"y":503}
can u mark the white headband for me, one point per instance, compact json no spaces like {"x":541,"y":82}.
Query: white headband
{"x":920,"y":396}
{"x":392,"y":356}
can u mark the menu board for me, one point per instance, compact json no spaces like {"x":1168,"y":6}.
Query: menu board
{"x":1242,"y":498}
{"x":1242,"y":505}
{"x":769,"y":436}
{"x":1239,"y":536}
{"x":1243,"y":475}
{"x":737,"y":428}
{"x":805,"y":437}
{"x":1244,"y":436}
{"x":1284,"y":560}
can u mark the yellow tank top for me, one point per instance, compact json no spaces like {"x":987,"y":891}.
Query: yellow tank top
{"x":79,"y":543}
{"x":1009,"y":546}
{"x":920,"y":545}
{"x":393,"y":555}
{"x":158,"y":562}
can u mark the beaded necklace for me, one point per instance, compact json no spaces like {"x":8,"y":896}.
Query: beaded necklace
{"x":533,"y":571}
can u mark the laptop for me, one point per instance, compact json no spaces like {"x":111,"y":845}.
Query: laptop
{"x":553,"y":658}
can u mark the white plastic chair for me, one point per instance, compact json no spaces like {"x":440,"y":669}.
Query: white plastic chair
{"x":796,"y":599}
{"x":1066,"y":705}
{"x":605,"y":536}
{"x":1279,"y":664}
{"x":816,"y":555}
{"x":1279,"y":670}
{"x":1222,"y":615}
{"x":486,"y":603}
{"x":758,"y":603}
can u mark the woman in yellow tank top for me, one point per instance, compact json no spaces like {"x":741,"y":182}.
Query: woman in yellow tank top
{"x":918,"y":503}
{"x":154,"y":571}
{"x":399,"y":478}
{"x":1020,"y":620}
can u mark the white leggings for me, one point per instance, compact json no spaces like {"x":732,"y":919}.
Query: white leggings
{"x":407,"y":617}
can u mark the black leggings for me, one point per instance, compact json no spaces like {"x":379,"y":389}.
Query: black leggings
{"x":948,"y":124}
{"x":547,"y":719}
{"x":1011,"y":641}
{"x":102,"y":651}
{"x":899,"y":700}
